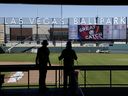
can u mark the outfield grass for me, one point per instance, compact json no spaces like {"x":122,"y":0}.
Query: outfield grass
{"x":21,"y":57}
{"x":93,"y":77}
{"x":83,"y":58}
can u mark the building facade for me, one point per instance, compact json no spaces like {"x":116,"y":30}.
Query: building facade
{"x":82,"y":29}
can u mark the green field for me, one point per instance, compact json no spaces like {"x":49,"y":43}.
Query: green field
{"x":93,"y":77}
{"x":83,"y":58}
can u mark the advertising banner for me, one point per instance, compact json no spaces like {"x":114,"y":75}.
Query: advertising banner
{"x":73,"y":32}
{"x":114,"y":31}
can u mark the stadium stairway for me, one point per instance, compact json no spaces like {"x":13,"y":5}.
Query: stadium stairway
{"x":28,"y":49}
{"x":1,"y":50}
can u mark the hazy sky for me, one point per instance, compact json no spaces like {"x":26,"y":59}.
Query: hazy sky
{"x":31,"y":10}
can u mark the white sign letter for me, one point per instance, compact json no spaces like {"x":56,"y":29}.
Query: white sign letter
{"x":115,"y":20}
{"x":46,"y":21}
{"x":122,"y":20}
{"x":54,"y":21}
{"x":109,"y":21}
{"x":101,"y":20}
{"x":38,"y":21}
{"x":83,"y":21}
{"x":75,"y":20}
{"x":13,"y":21}
{"x":31,"y":20}
{"x":20,"y":21}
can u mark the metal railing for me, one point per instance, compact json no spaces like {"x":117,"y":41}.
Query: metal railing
{"x":58,"y":69}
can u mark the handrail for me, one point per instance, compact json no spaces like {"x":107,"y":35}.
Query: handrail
{"x":9,"y":49}
{"x":6,"y":68}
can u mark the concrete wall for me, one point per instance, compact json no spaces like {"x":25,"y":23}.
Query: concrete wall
{"x":116,"y":48}
{"x":59,"y":49}
{"x":119,"y":48}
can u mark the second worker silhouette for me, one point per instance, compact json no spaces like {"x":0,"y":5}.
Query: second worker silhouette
{"x":68,"y":55}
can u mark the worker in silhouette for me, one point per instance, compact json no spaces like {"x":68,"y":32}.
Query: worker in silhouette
{"x":42,"y":60}
{"x":68,"y":55}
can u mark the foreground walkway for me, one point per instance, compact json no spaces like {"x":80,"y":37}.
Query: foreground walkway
{"x":92,"y":91}
{"x":32,"y":92}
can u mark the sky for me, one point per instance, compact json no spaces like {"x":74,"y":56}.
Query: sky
{"x":56,"y":11}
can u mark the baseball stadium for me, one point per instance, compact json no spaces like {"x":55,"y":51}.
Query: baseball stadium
{"x":99,"y":42}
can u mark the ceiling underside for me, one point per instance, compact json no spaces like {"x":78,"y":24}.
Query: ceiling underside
{"x":67,"y":2}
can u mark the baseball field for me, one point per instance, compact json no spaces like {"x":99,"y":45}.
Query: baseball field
{"x":93,"y":77}
{"x":83,"y":58}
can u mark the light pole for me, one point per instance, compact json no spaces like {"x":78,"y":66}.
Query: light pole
{"x":97,"y":20}
{"x":37,"y":37}
{"x":5,"y":37}
{"x":21,"y":31}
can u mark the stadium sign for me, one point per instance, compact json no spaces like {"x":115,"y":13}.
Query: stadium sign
{"x":71,"y":21}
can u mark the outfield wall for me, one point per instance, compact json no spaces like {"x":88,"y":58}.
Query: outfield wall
{"x":57,"y":49}
{"x":115,"y":48}
{"x":119,"y":48}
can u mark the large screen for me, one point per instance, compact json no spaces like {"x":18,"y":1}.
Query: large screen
{"x":97,"y":32}
{"x":90,"y":31}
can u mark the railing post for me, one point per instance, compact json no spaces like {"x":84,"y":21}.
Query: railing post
{"x":110,"y":78}
{"x":84,"y":78}
{"x":56,"y":78}
{"x":59,"y":78}
{"x":28,"y":79}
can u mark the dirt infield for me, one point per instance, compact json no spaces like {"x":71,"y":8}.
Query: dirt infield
{"x":15,"y":63}
{"x":33,"y":76}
